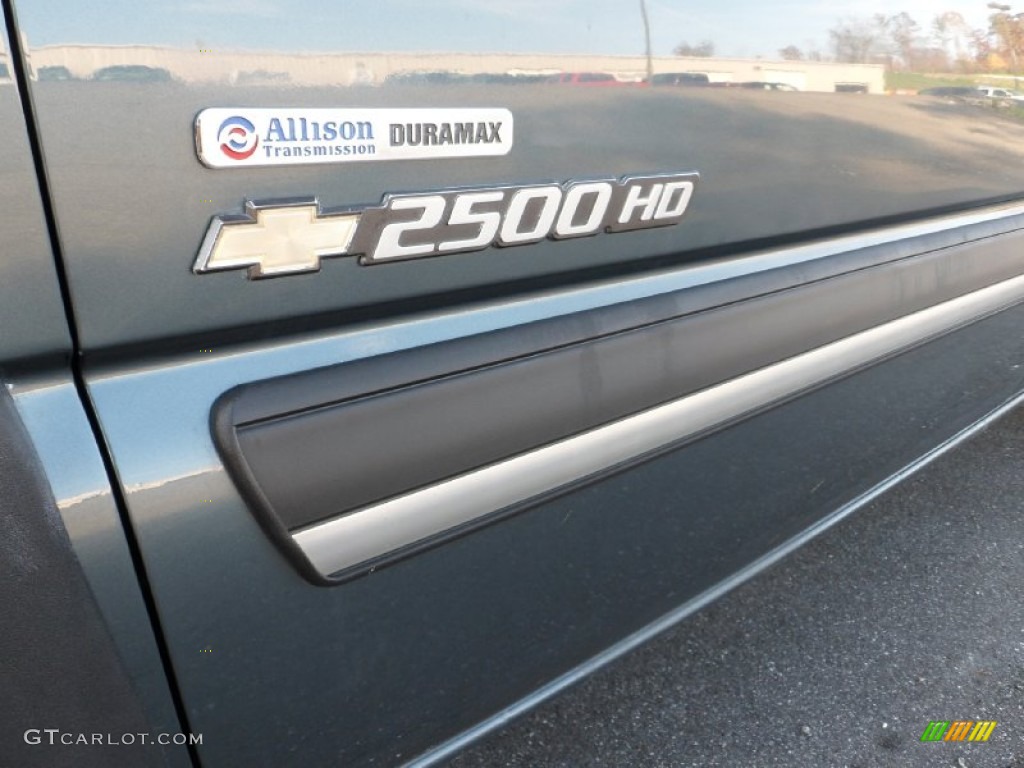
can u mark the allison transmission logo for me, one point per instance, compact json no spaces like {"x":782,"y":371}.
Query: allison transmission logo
{"x":288,"y":237}
{"x":237,"y":138}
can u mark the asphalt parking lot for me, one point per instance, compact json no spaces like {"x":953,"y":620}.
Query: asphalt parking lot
{"x":909,"y":611}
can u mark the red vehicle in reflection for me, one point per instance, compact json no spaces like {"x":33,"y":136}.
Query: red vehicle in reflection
{"x":597,"y":79}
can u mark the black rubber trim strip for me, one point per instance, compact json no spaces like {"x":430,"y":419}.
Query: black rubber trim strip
{"x":358,"y":449}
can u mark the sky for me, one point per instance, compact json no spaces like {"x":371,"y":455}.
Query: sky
{"x":742,"y":28}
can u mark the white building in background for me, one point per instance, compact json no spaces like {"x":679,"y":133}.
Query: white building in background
{"x":373,"y":68}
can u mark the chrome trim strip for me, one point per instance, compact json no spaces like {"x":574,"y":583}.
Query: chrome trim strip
{"x":347,"y":541}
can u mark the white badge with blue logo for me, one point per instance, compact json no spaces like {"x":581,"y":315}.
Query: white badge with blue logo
{"x":239,"y":137}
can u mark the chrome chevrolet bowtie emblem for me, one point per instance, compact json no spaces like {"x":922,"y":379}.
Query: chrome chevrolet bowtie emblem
{"x":291,"y":236}
{"x":279,"y":238}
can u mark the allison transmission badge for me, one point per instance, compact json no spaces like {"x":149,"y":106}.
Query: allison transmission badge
{"x":285,"y":237}
{"x":241,"y":138}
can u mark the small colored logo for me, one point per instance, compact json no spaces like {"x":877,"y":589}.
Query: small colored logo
{"x":958,"y":730}
{"x":237,"y":138}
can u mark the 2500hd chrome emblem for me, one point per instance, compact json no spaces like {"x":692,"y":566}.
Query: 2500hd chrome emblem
{"x":291,"y":236}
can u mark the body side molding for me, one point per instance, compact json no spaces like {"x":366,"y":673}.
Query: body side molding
{"x":351,"y":540}
{"x":359,"y":464}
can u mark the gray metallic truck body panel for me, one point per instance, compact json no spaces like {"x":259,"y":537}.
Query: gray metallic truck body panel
{"x":818,"y":217}
{"x":776,"y":165}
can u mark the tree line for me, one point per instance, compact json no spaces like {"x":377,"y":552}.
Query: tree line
{"x":947,"y":43}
